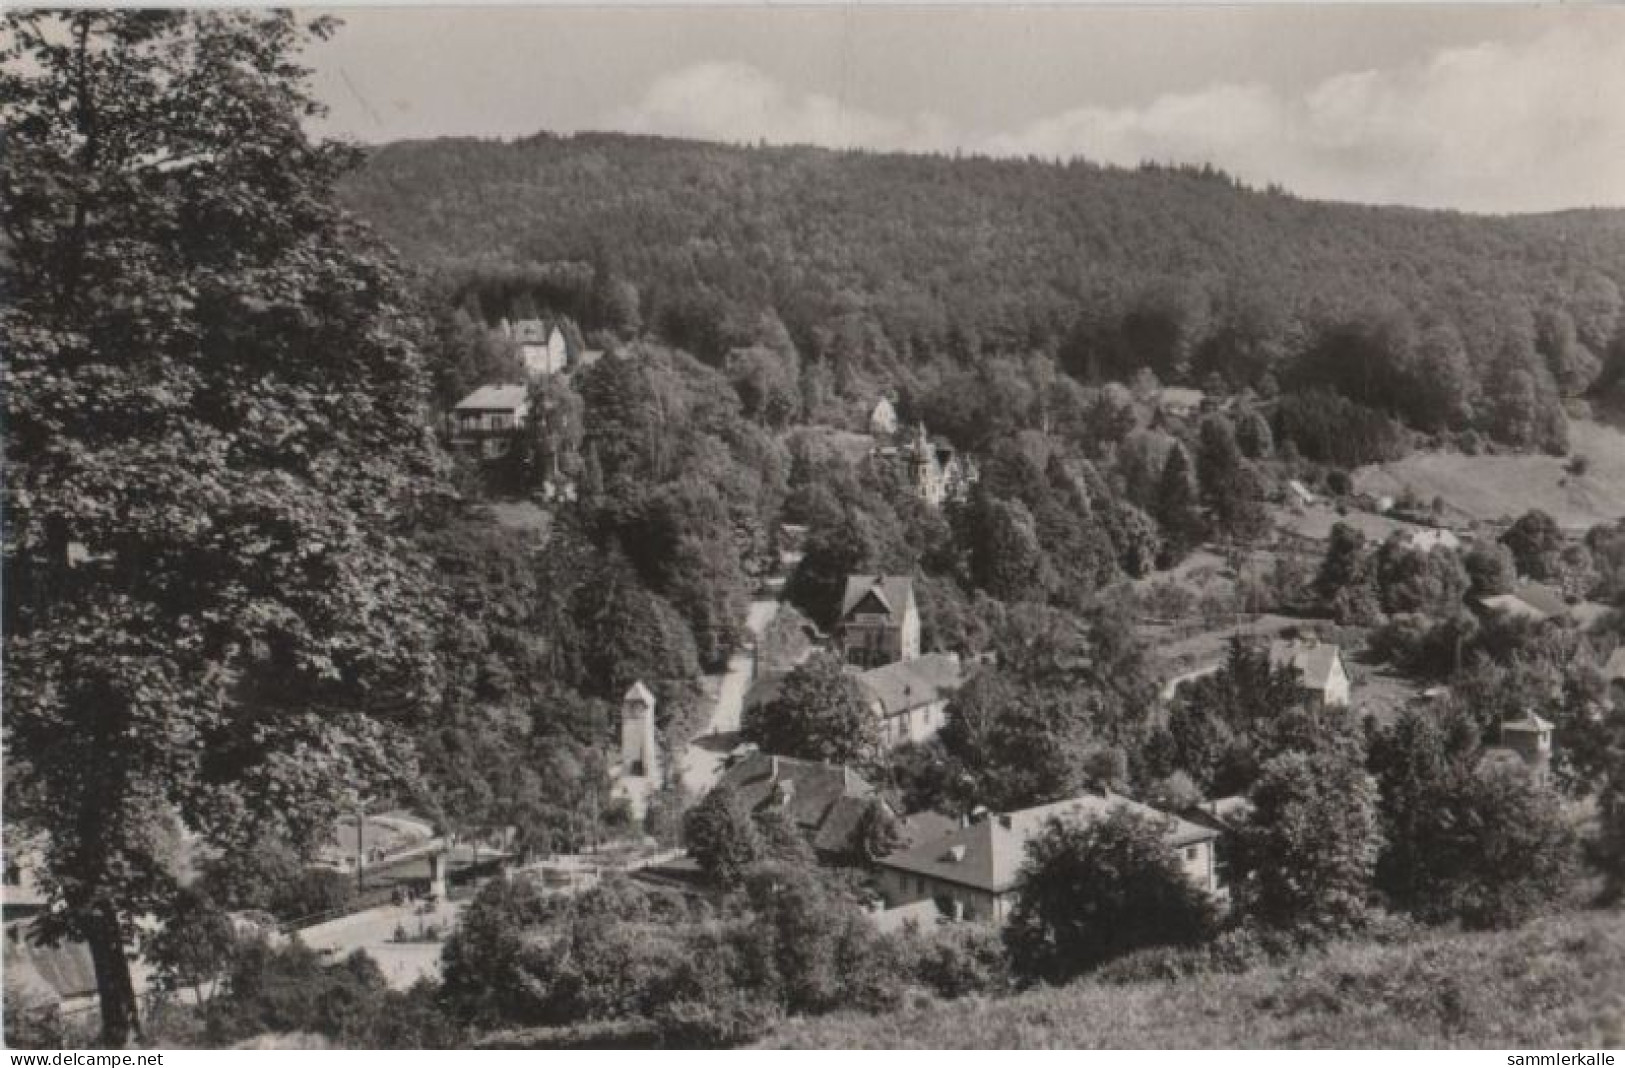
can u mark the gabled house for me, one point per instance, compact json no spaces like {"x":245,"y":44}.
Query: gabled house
{"x":542,"y":345}
{"x":974,"y":871}
{"x":910,"y":697}
{"x":1530,"y":736}
{"x":486,"y":421}
{"x":826,"y":802}
{"x":883,"y":419}
{"x":879,"y":621}
{"x":1324,"y":679}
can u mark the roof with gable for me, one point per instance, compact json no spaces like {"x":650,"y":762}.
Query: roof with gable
{"x":1529,"y":721}
{"x":989,"y":854}
{"x":906,"y":684}
{"x":638,"y":692}
{"x":534,"y":331}
{"x":1220,"y":813}
{"x":825,"y":800}
{"x":503,"y":398}
{"x":1314,"y":660}
{"x":893,"y":592}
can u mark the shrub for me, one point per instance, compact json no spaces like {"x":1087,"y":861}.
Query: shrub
{"x":960,"y":959}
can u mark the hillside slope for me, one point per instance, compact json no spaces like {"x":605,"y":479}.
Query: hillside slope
{"x":1506,"y":486}
{"x":1005,"y":252}
{"x":1559,"y":983}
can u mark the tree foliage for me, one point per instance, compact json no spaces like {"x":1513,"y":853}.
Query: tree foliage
{"x":214,"y":437}
{"x":1092,"y":892}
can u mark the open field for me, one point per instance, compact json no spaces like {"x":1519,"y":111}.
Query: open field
{"x":1498,"y":487}
{"x":1316,"y":521}
{"x":1558,"y":983}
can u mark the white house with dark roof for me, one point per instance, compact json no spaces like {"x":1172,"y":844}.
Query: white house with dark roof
{"x":486,"y":421}
{"x":974,"y":871}
{"x":910,"y":697}
{"x":879,"y":621}
{"x":1323,"y":677}
{"x":1530,"y":736}
{"x":542,"y":345}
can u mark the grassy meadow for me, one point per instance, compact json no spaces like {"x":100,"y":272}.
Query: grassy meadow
{"x":1557,"y":983}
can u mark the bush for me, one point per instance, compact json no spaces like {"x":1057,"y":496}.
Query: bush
{"x":958,"y":960}
{"x":1092,"y":892}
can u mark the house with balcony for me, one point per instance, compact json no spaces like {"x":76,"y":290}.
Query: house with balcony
{"x":486,"y":422}
{"x":879,"y":621}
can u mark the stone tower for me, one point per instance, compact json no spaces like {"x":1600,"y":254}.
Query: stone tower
{"x":640,"y":752}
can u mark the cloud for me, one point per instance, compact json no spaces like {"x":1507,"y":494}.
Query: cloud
{"x":1530,"y":126}
{"x":1493,"y":127}
{"x":738,"y":102}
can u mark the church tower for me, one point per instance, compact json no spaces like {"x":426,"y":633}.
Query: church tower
{"x":640,"y":751}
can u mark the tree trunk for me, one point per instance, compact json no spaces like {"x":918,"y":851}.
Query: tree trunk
{"x":121,"y":1021}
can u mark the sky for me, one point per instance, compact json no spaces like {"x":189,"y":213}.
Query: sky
{"x":1489,"y":108}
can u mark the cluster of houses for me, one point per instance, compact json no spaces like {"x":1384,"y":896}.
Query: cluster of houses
{"x":932,"y":469}
{"x":484,"y":423}
{"x":969,"y":870}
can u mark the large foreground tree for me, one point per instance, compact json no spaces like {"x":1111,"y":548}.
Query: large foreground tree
{"x":214,"y":442}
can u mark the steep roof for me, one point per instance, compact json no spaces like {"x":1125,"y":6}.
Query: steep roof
{"x":825,"y":800}
{"x":1314,"y":660}
{"x":534,"y":331}
{"x":638,"y":692}
{"x":494,"y":398}
{"x":988,"y":855}
{"x":894,"y":592}
{"x":906,"y":684}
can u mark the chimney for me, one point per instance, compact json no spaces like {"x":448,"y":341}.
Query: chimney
{"x":773,"y":768}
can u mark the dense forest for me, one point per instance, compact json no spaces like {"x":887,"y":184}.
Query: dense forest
{"x":891,"y":271}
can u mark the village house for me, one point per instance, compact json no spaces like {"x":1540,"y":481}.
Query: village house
{"x":1426,"y":539}
{"x":910,"y":697}
{"x":1324,"y":680}
{"x":485,"y":422}
{"x":1530,"y":737}
{"x":974,"y":871}
{"x":883,"y":419}
{"x":935,"y":472}
{"x":826,"y":802}
{"x":542,"y":346}
{"x":879,"y":621}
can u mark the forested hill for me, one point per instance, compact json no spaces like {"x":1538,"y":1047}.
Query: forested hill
{"x":890,"y":259}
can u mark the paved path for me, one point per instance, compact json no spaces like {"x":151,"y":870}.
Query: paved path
{"x":403,"y":963}
{"x":702,"y":763}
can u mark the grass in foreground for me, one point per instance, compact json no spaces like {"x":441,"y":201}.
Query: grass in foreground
{"x":1558,"y":983}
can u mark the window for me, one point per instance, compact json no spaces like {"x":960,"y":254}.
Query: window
{"x":1191,"y":852}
